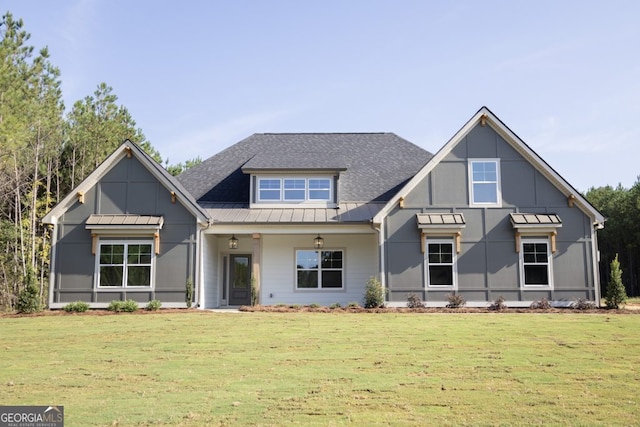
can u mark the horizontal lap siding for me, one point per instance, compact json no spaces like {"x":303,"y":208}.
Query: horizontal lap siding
{"x":279,"y":273}
{"x":212,"y":277}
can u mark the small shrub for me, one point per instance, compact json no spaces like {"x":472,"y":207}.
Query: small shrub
{"x":498,"y":305}
{"x":335,"y":305}
{"x":542,"y":304}
{"x":455,"y":300}
{"x":616,"y":293}
{"x":583,"y":304}
{"x":188,"y":295}
{"x":295,"y":306}
{"x":314,"y":305}
{"x":373,"y":294}
{"x":414,"y":301}
{"x":115,"y":306}
{"x":128,"y":306}
{"x":29,"y":298}
{"x":76,"y":307}
{"x":153,"y":305}
{"x":353,"y":304}
{"x":281,"y":305}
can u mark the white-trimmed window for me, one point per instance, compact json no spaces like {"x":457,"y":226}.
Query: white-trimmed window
{"x":535,"y":262}
{"x":484,"y":182}
{"x":125,"y":264}
{"x":440,"y":262}
{"x":319,"y":269}
{"x":294,"y":189}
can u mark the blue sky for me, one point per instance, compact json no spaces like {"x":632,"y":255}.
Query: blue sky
{"x":198,"y":76}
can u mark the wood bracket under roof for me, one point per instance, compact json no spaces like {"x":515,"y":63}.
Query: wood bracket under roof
{"x":440,"y":224}
{"x":536,"y":225}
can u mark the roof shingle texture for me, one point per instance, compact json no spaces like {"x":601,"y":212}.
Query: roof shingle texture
{"x":377,"y":164}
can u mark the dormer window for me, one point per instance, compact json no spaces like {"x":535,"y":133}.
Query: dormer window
{"x":294,"y":189}
{"x":294,"y":178}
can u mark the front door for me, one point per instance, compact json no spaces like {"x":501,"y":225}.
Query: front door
{"x":240,"y":280}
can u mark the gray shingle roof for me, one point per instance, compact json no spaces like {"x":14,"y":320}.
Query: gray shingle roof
{"x":376,"y":164}
{"x":294,"y":161}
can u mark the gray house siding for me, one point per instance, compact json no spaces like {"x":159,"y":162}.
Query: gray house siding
{"x":127,"y":188}
{"x":488,"y":265}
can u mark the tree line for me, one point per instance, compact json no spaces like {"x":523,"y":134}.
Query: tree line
{"x":621,"y":234}
{"x":45,"y":152}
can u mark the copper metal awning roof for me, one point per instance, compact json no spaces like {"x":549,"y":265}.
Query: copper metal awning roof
{"x":124,"y":221}
{"x":440,"y":220}
{"x":351,"y":212}
{"x":523,"y":220}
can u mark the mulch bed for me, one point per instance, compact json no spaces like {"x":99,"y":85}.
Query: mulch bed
{"x":433,"y":310}
{"x":629,"y":309}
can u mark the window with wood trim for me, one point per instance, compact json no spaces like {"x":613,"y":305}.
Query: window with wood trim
{"x":484,"y":182}
{"x":440,"y":263}
{"x":124,"y":264}
{"x":535,"y":262}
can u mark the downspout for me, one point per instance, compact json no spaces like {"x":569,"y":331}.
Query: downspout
{"x":596,"y":260}
{"x":52,"y":266}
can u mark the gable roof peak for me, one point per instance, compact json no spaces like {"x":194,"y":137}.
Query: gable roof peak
{"x":484,"y":117}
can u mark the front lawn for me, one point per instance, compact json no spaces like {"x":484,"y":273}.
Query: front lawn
{"x":203,"y":368}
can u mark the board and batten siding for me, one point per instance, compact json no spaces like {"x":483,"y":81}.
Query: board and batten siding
{"x":488,"y":264}
{"x":128,"y":188}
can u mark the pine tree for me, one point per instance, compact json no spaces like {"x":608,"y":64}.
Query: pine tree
{"x":616,"y":293}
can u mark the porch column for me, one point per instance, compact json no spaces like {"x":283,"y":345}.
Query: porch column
{"x":255,"y":268}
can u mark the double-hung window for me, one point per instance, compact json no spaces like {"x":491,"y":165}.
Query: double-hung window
{"x":125,"y":264}
{"x":321,"y":269}
{"x":294,"y":189}
{"x":269,"y":189}
{"x":535,"y":262}
{"x":440,"y":263}
{"x":484,"y":182}
{"x":320,"y":189}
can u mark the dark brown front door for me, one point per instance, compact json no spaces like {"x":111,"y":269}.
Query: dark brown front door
{"x":240,"y":280}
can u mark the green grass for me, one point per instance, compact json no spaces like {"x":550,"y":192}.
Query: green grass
{"x":202,"y":368}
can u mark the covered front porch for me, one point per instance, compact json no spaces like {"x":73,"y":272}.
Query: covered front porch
{"x":267,"y":265}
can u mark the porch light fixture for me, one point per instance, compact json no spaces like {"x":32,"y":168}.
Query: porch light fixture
{"x":318,"y":242}
{"x":233,"y":242}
